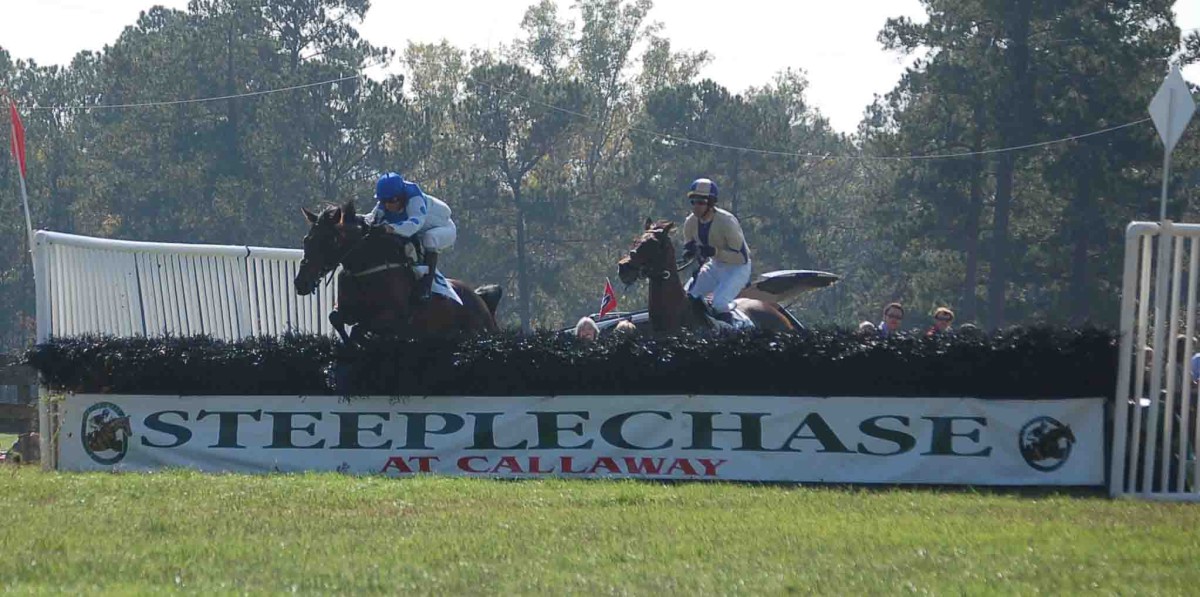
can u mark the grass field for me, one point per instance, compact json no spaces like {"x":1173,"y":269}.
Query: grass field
{"x":329,"y":533}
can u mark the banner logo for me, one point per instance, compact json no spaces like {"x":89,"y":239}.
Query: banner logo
{"x":1046,"y":443}
{"x":105,"y":433}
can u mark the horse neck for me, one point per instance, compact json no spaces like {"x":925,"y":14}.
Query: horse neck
{"x":668,"y":302}
{"x":366,"y":253}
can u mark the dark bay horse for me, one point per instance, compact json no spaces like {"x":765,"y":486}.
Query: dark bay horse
{"x":377,"y":282}
{"x":653,"y":257}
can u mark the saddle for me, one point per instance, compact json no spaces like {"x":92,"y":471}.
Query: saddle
{"x":737,"y":319}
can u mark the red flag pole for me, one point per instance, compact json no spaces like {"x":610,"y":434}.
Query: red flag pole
{"x":18,"y":151}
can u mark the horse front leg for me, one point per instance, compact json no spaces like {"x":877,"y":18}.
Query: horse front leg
{"x":339,"y":325}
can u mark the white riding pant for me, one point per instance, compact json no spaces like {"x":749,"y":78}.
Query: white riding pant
{"x":439,"y":238}
{"x":723,"y":280}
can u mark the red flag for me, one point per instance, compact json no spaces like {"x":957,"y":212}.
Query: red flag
{"x":609,"y":302}
{"x":18,"y":137}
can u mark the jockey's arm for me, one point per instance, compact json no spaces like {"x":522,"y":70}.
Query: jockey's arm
{"x":416,"y":212}
{"x":732,"y":246}
{"x":414,"y":218}
{"x":691,"y":236}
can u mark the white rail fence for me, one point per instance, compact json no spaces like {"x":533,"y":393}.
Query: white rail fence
{"x":125,"y":288}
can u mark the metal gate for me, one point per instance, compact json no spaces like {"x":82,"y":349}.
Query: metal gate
{"x":1155,"y":432}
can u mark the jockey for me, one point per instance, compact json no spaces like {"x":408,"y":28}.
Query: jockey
{"x":405,"y":210}
{"x":716,"y":236}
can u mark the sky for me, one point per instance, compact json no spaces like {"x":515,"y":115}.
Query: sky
{"x":834,"y":42}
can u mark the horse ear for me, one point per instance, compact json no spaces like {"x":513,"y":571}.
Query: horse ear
{"x":649,"y":224}
{"x":312,"y":217}
{"x":348,"y":208}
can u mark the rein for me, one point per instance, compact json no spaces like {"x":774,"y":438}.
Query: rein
{"x":327,"y":276}
{"x":376,"y":269}
{"x":665,"y":274}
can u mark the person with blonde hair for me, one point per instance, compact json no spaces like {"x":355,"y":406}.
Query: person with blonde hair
{"x":626,"y":327}
{"x":942,"y":318}
{"x":587,"y":329}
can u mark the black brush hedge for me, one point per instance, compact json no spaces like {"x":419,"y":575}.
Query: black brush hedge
{"x":1026,"y":362}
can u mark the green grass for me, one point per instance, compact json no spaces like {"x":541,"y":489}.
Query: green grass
{"x":328,"y":533}
{"x":7,"y":440}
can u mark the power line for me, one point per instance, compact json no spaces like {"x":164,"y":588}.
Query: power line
{"x":1015,"y":148}
{"x":201,"y":99}
{"x":659,"y":134}
{"x":679,"y":139}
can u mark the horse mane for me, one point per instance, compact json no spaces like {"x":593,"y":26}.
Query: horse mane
{"x":332,"y":214}
{"x":653,"y":231}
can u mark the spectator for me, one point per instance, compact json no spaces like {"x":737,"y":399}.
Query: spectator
{"x":587,"y":329}
{"x":942,"y":318}
{"x":1181,"y":342}
{"x":626,"y":328}
{"x":867,"y":328}
{"x":893,"y":315}
{"x":28,"y":448}
{"x":968,"y":329}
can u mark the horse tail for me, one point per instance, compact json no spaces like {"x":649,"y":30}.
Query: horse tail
{"x":796,"y":325}
{"x":491,"y":295}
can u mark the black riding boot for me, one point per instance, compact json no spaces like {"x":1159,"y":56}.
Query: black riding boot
{"x":425,"y":290}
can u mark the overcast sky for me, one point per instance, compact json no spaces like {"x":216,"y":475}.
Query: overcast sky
{"x":750,"y":40}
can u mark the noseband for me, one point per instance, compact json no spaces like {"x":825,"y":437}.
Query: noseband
{"x":661,"y":273}
{"x":326,"y":273}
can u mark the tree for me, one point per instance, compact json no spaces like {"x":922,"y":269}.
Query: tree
{"x":514,"y":119}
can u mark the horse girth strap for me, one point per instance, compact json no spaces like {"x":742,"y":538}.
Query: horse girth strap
{"x":377,"y":269}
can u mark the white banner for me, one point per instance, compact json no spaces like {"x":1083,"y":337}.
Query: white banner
{"x":748,"y":438}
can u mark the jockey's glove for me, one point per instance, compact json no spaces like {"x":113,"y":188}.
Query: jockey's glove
{"x":689,"y":250}
{"x":707,"y":251}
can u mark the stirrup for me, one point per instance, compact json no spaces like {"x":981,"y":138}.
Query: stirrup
{"x":425,"y":288}
{"x":726,"y":317}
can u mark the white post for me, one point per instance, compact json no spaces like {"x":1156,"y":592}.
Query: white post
{"x":1162,"y":214}
{"x":1117,"y":473}
{"x":1161,"y":316}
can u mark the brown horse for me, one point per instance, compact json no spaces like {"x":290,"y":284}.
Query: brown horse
{"x":377,"y":282}
{"x":653,"y":257}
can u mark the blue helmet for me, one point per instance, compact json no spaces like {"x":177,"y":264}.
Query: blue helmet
{"x":389,"y":186}
{"x":703,"y":188}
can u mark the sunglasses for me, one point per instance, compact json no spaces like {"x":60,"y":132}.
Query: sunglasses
{"x":699,"y":201}
{"x":893,"y":316}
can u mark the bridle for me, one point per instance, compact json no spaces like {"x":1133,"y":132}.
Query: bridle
{"x":645,"y":270}
{"x":326,"y":273}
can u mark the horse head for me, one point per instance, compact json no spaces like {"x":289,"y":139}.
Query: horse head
{"x":325,"y":244}
{"x":652,"y":255}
